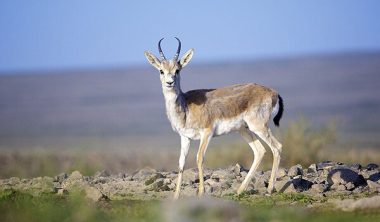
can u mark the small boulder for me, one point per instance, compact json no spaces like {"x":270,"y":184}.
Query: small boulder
{"x":350,"y":186}
{"x":143,"y":174}
{"x":60,"y":178}
{"x":92,"y":193}
{"x":301,"y":184}
{"x":373,"y":186}
{"x":151,"y":179}
{"x":190,"y":176}
{"x":312,"y":168}
{"x":374,"y":177}
{"x":343,"y":176}
{"x":75,"y":175}
{"x":372,"y":166}
{"x":103,"y":173}
{"x":295,"y":170}
{"x":318,"y":188}
{"x":222,"y":174}
{"x":281,"y":172}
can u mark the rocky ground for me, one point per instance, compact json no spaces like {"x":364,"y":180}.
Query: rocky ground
{"x":318,"y":180}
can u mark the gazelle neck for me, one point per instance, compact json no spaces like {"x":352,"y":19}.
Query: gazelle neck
{"x":176,"y":106}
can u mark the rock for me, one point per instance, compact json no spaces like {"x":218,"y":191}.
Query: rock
{"x":373,"y":186}
{"x":301,"y":184}
{"x":103,"y":173}
{"x":341,"y":187}
{"x":344,"y":176}
{"x":39,"y":185}
{"x":326,"y":165}
{"x":355,"y":166}
{"x":366,"y":204}
{"x":282,"y":172}
{"x":60,"y":178}
{"x":222,"y":175}
{"x":92,"y":193}
{"x":284,"y":185}
{"x":372,"y":166}
{"x":374,"y":177}
{"x":157,"y":185}
{"x":295,"y":170}
{"x":312,"y":168}
{"x":318,"y":188}
{"x":153,"y":178}
{"x":62,"y":192}
{"x":143,"y":174}
{"x":75,"y":175}
{"x":190,"y":176}
{"x":237,"y":169}
{"x":350,"y":186}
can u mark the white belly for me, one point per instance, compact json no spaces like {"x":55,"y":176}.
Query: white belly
{"x":228,"y":125}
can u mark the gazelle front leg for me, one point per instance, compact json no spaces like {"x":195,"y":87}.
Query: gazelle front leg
{"x":205,"y":139}
{"x":185,"y":144}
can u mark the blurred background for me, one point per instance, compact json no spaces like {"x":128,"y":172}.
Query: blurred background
{"x":76,"y":91}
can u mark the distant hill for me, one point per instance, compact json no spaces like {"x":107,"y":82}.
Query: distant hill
{"x":128,"y":103}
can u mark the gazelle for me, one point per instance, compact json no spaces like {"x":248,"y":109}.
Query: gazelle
{"x":205,"y":113}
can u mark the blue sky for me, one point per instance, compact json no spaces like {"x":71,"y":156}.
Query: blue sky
{"x":69,"y":34}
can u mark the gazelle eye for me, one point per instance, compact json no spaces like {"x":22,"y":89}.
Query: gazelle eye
{"x":162,"y":72}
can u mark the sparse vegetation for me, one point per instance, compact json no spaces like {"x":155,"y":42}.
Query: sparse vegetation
{"x":302,"y":144}
{"x":15,"y":206}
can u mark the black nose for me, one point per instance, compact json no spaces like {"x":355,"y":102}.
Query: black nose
{"x":169,"y":83}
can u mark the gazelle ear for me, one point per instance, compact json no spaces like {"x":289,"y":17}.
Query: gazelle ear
{"x":152,"y":60}
{"x":186,"y":58}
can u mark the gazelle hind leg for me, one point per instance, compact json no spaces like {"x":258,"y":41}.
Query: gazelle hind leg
{"x":258,"y":151}
{"x":276,"y":147}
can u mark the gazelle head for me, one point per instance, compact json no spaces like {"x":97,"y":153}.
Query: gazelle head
{"x":169,"y":69}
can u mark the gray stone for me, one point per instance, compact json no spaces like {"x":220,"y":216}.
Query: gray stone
{"x":301,"y":184}
{"x":222,"y":174}
{"x":295,"y":170}
{"x":350,"y":186}
{"x":344,"y":176}
{"x":374,"y":177}
{"x":318,"y":188}
{"x":355,"y":166}
{"x":312,"y":168}
{"x":60,"y":178}
{"x":373,"y":186}
{"x":284,"y":185}
{"x":103,"y":173}
{"x":282,"y":172}
{"x":92,"y":193}
{"x":190,"y":176}
{"x":326,"y":165}
{"x":153,"y":178}
{"x":75,"y":175}
{"x":143,"y":174}
{"x":158,"y":185}
{"x":372,"y":166}
{"x":237,"y":169}
{"x":341,"y":187}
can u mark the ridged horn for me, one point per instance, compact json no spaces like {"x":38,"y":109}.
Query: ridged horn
{"x":160,"y":50}
{"x":178,"y":49}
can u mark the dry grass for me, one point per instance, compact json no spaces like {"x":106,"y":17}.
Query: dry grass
{"x":302,"y":144}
